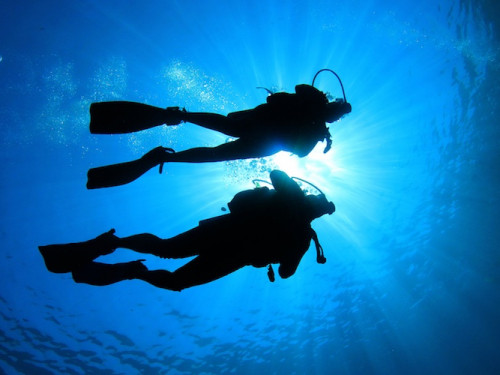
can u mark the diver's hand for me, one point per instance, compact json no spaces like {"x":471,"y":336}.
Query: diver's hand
{"x":137,"y":268}
{"x":174,"y":115}
{"x":270,"y":273}
{"x":158,"y":155}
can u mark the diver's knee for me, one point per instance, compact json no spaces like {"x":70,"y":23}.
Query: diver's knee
{"x":162,"y":279}
{"x":79,"y":276}
{"x":174,"y":285}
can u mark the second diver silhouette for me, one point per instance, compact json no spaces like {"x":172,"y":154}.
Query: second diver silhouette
{"x":264,"y":227}
{"x":286,"y":122}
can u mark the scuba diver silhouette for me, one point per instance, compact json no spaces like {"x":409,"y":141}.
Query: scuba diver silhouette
{"x":286,"y":122}
{"x":265,"y":226}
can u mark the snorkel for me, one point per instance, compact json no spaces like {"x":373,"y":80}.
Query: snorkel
{"x":334,"y":110}
{"x":340,"y":81}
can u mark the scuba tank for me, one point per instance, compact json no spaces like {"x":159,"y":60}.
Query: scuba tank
{"x":250,"y":200}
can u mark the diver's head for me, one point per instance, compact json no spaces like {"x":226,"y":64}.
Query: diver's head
{"x":318,"y":206}
{"x":335,"y":110}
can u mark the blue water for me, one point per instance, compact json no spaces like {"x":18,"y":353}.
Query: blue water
{"x":411,"y":285}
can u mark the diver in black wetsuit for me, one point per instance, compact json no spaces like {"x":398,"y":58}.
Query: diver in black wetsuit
{"x":265,"y":226}
{"x":287,"y":122}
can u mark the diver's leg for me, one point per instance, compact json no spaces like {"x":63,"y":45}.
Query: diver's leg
{"x":125,"y":117}
{"x":181,"y":246}
{"x":66,"y":257}
{"x":201,"y":270}
{"x":213,"y":121}
{"x":123,"y":173}
{"x":100,"y":274}
{"x":237,"y":149}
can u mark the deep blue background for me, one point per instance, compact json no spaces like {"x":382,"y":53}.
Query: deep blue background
{"x":411,"y":283}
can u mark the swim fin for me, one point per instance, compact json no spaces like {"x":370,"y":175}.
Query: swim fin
{"x":121,"y":117}
{"x":123,"y":173}
{"x":58,"y":258}
{"x":100,"y":274}
{"x":114,"y":175}
{"x":68,"y":257}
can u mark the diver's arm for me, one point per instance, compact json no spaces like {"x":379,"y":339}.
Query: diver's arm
{"x":287,"y":269}
{"x":312,"y":132}
{"x":305,"y":147}
{"x":288,"y":266}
